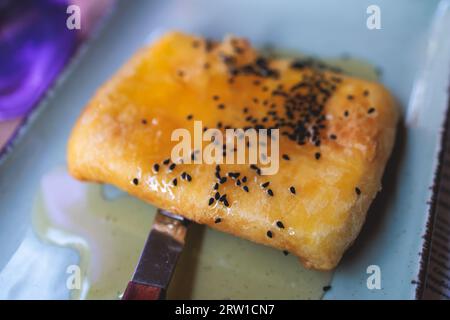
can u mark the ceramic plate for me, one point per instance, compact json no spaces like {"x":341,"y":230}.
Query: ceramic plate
{"x":414,"y":64}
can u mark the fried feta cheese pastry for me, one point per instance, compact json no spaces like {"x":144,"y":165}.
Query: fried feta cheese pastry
{"x":335,"y":136}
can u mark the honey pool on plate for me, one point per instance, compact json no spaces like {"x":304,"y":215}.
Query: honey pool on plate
{"x":108,"y":229}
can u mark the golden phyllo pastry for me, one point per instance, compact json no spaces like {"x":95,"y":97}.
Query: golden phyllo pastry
{"x":335,"y":134}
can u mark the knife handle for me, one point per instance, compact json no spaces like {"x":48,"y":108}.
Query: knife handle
{"x":138,"y":291}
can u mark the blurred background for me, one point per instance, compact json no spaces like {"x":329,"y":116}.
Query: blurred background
{"x":34,"y":50}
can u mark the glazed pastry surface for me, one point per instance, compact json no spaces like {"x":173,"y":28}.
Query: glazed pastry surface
{"x":335,"y":136}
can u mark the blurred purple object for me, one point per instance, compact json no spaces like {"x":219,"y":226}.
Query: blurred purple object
{"x":35,"y":44}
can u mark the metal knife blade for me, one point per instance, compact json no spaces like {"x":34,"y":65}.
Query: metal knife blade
{"x":158,"y":258}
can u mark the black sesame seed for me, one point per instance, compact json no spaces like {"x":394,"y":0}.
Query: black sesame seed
{"x":166,"y":162}
{"x":238,"y":182}
{"x":333,"y":137}
{"x":188,"y":177}
{"x":144,"y":121}
{"x":217,"y":196}
{"x":189,"y":117}
{"x":280,"y":225}
{"x":258,"y":171}
{"x":286,"y":157}
{"x":218,"y":220}
{"x":225,"y":203}
{"x":326,"y":288}
{"x":222,"y":198}
{"x":371,"y":110}
{"x":217,"y":168}
{"x":209,"y":45}
{"x":217,"y":174}
{"x":244,"y":179}
{"x":215,"y":97}
{"x":135,"y":181}
{"x":211,"y":201}
{"x":358,"y":191}
{"x":221,"y":106}
{"x":183,"y":175}
{"x":234,"y":175}
{"x":245,"y":188}
{"x":265,"y":184}
{"x":366,"y":93}
{"x":223,"y":180}
{"x":216,"y":186}
{"x":269,"y":234}
{"x":238,"y":50}
{"x":175,"y":182}
{"x":350,"y":97}
{"x":156,"y":167}
{"x":270,"y":192}
{"x":317,"y":155}
{"x":346,"y":113}
{"x":285,"y":252}
{"x":292,"y":190}
{"x":172,"y":166}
